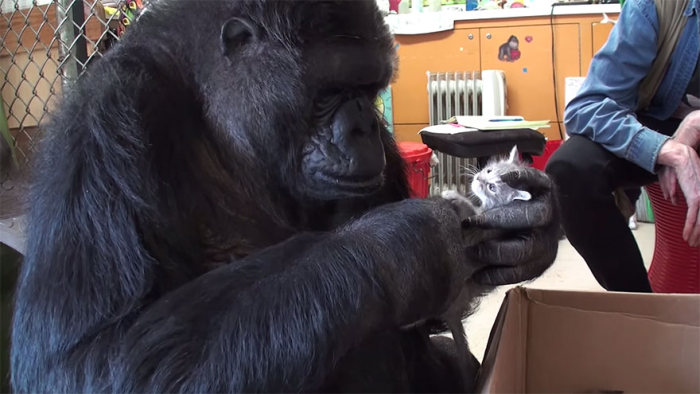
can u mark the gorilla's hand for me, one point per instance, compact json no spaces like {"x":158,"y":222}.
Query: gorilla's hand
{"x":527,"y":242}
{"x":421,"y":264}
{"x":528,"y":178}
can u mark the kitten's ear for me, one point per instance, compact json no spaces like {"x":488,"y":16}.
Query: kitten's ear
{"x":513,"y":154}
{"x":522,"y":195}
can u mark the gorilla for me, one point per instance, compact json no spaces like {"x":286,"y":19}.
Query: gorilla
{"x":216,"y":207}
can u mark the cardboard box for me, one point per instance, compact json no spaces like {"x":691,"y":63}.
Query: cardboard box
{"x":593,"y":342}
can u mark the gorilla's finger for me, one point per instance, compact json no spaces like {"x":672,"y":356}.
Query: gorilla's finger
{"x":509,"y":252}
{"x":472,"y":235}
{"x":503,"y":275}
{"x":516,"y":215}
{"x":527,"y":179}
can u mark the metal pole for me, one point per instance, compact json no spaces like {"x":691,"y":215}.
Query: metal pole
{"x":78,"y":13}
{"x":72,"y":51}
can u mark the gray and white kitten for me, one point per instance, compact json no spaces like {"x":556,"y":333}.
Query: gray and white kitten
{"x":489,"y":188}
{"x":492,"y":192}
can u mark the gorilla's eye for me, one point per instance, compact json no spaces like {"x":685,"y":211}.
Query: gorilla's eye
{"x":372,"y":91}
{"x":333,"y":91}
{"x":492,"y":187}
{"x":325,"y":105}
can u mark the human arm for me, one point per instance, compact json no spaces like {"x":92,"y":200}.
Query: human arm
{"x":604,"y":109}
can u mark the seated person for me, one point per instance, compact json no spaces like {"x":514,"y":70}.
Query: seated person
{"x":619,"y":142}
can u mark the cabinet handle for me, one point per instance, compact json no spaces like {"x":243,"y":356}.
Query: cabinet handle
{"x":470,"y":36}
{"x":488,"y":36}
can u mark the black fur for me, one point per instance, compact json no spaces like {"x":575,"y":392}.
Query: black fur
{"x":184,"y":234}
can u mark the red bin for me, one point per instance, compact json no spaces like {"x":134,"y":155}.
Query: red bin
{"x":417,"y":159}
{"x":550,"y":147}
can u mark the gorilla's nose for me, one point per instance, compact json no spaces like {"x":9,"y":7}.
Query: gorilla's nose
{"x":356,"y":134}
{"x":354,"y":118}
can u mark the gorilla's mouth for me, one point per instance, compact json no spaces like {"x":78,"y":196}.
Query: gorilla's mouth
{"x":344,"y":162}
{"x":359,"y":184}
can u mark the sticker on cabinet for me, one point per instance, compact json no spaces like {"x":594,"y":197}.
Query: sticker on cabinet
{"x":509,"y":51}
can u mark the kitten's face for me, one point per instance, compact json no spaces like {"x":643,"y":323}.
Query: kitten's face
{"x":488,"y":186}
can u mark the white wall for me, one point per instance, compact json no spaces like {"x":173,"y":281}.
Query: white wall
{"x":9,"y":5}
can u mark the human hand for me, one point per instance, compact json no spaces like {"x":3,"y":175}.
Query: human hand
{"x":685,"y":163}
{"x":689,"y":180}
{"x":688,"y":133}
{"x":669,"y":183}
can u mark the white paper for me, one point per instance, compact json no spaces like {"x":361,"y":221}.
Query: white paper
{"x":572,"y":85}
{"x":447,"y":129}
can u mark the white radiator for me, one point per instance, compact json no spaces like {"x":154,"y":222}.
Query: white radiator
{"x":461,"y":93}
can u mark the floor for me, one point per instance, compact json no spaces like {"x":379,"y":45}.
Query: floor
{"x":569,"y":272}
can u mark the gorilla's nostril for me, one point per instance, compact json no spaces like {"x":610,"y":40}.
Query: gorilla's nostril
{"x":358,"y":132}
{"x":365,"y":130}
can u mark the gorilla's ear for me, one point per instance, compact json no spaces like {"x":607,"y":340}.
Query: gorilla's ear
{"x":235,"y":33}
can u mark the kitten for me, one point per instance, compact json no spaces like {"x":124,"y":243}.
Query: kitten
{"x":493,"y":193}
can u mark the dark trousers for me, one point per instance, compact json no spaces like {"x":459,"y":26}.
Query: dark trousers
{"x":586,"y":174}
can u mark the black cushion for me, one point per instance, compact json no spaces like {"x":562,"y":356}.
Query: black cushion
{"x":486,"y":143}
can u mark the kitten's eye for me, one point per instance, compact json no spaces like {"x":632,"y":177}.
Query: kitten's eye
{"x":488,"y":170}
{"x":492,"y":187}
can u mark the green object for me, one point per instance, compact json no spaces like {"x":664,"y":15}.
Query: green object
{"x":384,"y":106}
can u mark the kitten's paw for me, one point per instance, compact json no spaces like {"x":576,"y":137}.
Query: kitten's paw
{"x":451,"y":195}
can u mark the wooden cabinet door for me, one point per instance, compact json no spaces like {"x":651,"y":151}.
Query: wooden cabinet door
{"x":567,"y":63}
{"x":444,"y":51}
{"x":528,"y":67}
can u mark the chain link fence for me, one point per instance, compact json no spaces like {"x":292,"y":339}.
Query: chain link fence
{"x":46,"y":46}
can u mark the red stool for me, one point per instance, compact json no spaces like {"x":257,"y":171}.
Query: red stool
{"x":675,"y":267}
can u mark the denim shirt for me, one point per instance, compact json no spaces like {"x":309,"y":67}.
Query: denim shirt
{"x":604,"y":109}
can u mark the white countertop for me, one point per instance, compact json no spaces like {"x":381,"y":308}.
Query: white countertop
{"x":430,"y":22}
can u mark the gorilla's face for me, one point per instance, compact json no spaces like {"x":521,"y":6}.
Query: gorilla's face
{"x":344,"y":155}
{"x":312,"y":85}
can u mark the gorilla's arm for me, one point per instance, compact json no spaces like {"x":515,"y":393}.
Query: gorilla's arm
{"x":280,"y":319}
